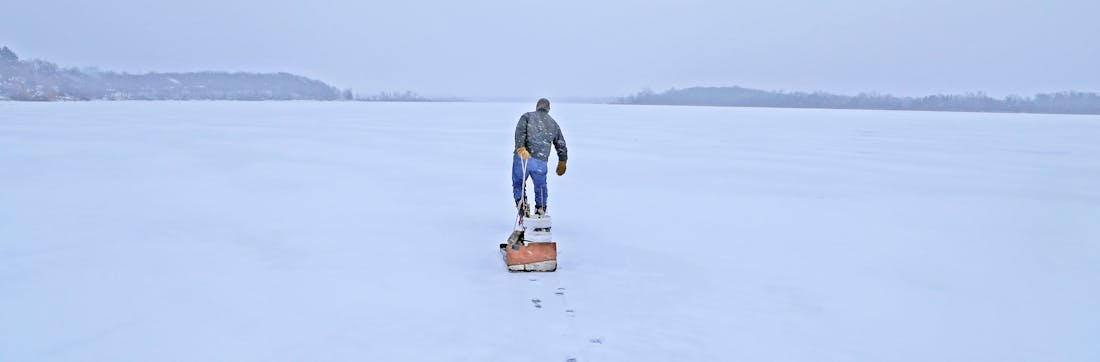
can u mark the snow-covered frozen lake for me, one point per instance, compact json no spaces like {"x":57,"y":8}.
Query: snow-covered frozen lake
{"x":298,"y":231}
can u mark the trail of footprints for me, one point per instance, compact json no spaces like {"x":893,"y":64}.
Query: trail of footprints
{"x":571,"y":313}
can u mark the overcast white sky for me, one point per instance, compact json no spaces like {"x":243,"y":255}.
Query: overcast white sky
{"x":583,"y":48}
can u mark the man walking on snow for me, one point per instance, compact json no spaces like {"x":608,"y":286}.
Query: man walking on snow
{"x":535,"y":132}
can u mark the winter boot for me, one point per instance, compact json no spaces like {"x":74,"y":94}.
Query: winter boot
{"x":543,"y":219}
{"x":522,"y":208}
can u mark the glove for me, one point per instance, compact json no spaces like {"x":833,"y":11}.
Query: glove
{"x":561,"y":168}
{"x":522,"y":152}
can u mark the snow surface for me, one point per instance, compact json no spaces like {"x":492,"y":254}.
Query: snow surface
{"x":236,"y":231}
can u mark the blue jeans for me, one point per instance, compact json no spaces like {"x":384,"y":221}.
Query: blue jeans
{"x":536,"y":170}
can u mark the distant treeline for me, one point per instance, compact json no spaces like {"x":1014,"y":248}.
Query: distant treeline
{"x":1062,"y":102}
{"x":406,"y":96}
{"x":37,"y":80}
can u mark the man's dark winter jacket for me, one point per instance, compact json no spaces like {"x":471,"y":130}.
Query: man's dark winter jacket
{"x":537,"y":131}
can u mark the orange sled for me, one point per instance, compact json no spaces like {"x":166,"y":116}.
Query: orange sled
{"x":530,"y":256}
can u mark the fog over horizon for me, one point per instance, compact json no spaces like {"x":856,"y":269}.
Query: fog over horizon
{"x":577,"y":48}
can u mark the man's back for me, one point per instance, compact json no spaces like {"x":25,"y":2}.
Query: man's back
{"x":537,"y":132}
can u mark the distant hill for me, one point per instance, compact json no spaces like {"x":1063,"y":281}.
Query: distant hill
{"x":1062,"y":102}
{"x":37,"y":80}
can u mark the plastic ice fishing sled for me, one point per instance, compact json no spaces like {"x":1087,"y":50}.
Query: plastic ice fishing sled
{"x":530,"y":247}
